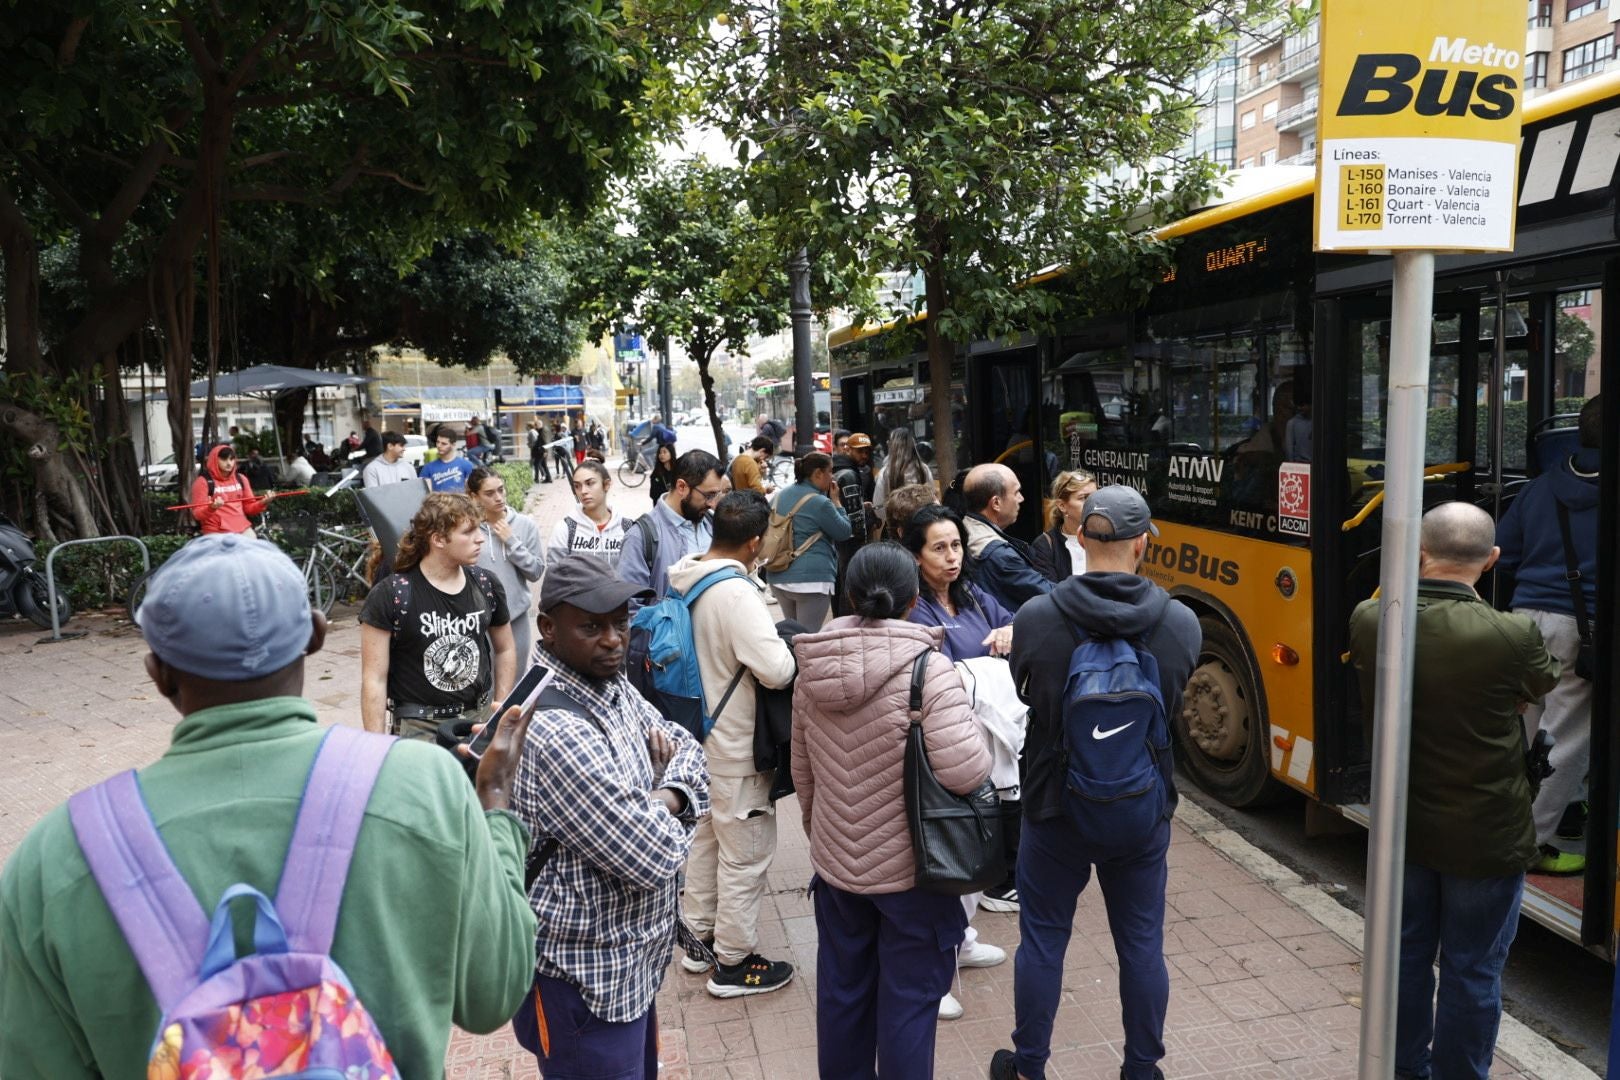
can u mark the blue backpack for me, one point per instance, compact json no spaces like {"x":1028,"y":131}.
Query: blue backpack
{"x":1113,"y":736}
{"x":662,"y":632}
{"x":285,"y":1009}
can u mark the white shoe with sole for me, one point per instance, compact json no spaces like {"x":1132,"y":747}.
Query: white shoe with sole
{"x":950,"y":1008}
{"x":981,"y":954}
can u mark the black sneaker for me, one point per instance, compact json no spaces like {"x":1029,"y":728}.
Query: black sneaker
{"x":1572,"y":826}
{"x":1003,"y":1066}
{"x":699,"y":956}
{"x":755,"y":975}
{"x":1158,"y":1074}
{"x":1003,"y":897}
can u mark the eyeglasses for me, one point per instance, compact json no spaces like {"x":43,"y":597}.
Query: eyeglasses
{"x":711,"y":496}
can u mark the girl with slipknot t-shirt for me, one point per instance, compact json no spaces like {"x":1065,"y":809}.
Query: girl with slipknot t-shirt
{"x":436,"y":639}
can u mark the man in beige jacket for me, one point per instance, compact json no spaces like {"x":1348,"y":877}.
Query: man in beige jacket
{"x":738,"y":650}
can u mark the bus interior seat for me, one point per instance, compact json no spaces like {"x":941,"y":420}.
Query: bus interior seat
{"x":1553,"y":440}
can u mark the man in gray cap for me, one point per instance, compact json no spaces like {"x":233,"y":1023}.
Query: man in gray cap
{"x":433,"y":928}
{"x":1130,"y":641}
{"x":612,"y":792}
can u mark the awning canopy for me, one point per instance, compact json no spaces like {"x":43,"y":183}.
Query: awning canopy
{"x":269,"y":380}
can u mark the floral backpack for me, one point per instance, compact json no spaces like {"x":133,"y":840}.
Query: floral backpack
{"x":284,"y":1010}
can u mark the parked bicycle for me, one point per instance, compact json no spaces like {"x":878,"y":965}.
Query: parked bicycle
{"x":332,"y":559}
{"x":634,"y":468}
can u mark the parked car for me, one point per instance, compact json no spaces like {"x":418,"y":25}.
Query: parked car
{"x":416,"y":448}
{"x":161,"y":474}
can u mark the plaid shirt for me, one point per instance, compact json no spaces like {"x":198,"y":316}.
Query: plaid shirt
{"x":607,"y":900}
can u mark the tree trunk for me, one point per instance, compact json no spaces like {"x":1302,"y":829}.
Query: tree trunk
{"x":941,"y":358}
{"x":59,"y":497}
{"x":120,"y":469}
{"x":178,"y":300}
{"x":703,"y":355}
{"x":289,"y":413}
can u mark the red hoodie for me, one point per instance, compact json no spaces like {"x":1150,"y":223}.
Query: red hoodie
{"x":240,"y":503}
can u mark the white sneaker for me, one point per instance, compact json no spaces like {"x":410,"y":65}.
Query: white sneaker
{"x":980,"y":954}
{"x":950,"y":1008}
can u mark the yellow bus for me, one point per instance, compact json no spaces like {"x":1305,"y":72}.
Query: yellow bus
{"x":1245,"y":397}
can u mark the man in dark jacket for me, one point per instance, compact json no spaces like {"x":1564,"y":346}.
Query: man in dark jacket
{"x":854,"y":483}
{"x":1469,"y":833}
{"x":1111,"y":600}
{"x":1002,"y":565}
{"x":1532,"y":542}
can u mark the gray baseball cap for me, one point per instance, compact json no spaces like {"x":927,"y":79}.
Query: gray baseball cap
{"x":1122,"y":507}
{"x":228,"y":608}
{"x":587,"y":583}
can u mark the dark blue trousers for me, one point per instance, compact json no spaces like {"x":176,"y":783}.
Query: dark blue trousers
{"x":574,"y":1044}
{"x":1470,"y":923}
{"x":1053,"y":870}
{"x":883,"y":961}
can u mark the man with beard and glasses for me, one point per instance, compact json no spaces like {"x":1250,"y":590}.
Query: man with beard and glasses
{"x":677,"y":527}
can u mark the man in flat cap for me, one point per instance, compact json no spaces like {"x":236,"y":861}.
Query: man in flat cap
{"x":612,"y":792}
{"x":432,"y":928}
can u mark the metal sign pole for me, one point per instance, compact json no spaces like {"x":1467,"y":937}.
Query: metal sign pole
{"x":1405,"y":430}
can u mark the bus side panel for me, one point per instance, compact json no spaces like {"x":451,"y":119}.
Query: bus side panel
{"x":1267,"y":589}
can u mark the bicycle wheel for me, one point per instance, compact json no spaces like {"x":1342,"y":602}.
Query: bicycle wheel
{"x":322,"y":590}
{"x":632,"y":472}
{"x":137,"y":593}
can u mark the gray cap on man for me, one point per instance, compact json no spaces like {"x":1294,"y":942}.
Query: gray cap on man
{"x":1123,"y":508}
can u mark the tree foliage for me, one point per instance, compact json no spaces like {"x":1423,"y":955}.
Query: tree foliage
{"x":978,"y":141}
{"x":684,"y":258}
{"x":139,"y":139}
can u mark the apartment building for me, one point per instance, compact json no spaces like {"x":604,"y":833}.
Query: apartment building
{"x":1267,"y":91}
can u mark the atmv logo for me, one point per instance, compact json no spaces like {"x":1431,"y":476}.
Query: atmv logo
{"x":1383,"y":84}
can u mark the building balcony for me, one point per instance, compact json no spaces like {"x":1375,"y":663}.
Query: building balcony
{"x":1298,"y":116}
{"x":1304,"y":157}
{"x":1297,"y":65}
{"x":1538,"y":40}
{"x":1268,"y":31}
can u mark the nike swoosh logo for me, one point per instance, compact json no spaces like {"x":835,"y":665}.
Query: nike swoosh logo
{"x":1099,"y":733}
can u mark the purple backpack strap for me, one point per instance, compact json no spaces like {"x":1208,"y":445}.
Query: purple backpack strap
{"x":159,"y":915}
{"x":329,"y":819}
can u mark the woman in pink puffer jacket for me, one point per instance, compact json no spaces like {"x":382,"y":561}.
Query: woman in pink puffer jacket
{"x":850,"y":721}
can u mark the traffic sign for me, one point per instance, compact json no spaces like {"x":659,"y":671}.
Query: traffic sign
{"x":1418,"y":129}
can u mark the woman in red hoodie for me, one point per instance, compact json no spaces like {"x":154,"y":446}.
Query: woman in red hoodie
{"x":223,"y":498}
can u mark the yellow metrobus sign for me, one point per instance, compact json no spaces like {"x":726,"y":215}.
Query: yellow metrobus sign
{"x":1418,"y":127}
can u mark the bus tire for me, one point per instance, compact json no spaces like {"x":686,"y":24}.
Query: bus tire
{"x":1221,"y":727}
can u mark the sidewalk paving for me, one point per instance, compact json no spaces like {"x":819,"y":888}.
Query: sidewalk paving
{"x":1259,"y":987}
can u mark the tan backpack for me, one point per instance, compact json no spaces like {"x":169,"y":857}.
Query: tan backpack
{"x":778,"y":552}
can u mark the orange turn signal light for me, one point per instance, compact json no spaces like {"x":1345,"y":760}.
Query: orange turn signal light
{"x":1284,"y":655}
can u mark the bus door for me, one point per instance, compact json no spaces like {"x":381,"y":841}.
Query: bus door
{"x":1511,"y":365}
{"x":1002,"y":427}
{"x":1352,"y":396}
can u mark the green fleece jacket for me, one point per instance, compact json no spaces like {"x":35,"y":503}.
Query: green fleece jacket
{"x":434,"y":927}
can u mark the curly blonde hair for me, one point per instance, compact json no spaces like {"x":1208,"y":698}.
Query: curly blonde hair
{"x":1064,"y":485}
{"x":441,"y":514}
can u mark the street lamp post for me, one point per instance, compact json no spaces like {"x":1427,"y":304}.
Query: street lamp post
{"x":804,"y":387}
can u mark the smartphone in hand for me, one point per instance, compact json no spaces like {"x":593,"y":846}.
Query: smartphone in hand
{"x":526,"y":694}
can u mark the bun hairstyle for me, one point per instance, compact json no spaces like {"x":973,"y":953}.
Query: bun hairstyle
{"x":882,"y":581}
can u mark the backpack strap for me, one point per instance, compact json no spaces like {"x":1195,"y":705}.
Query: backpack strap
{"x":1572,"y":575}
{"x":689,"y":598}
{"x":573,"y":527}
{"x":155,"y":909}
{"x":329,"y":819}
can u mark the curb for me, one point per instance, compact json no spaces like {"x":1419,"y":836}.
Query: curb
{"x":1533,"y":1053}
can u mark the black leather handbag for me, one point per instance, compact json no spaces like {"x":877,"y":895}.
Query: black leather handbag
{"x":956,"y":839}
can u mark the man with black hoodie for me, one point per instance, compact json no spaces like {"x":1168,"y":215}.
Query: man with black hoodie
{"x":1110,"y":600}
{"x":1559,"y":508}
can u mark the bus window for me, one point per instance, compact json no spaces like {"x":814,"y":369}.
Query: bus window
{"x":1517,"y":336}
{"x":1367,"y":401}
{"x":1577,"y":371}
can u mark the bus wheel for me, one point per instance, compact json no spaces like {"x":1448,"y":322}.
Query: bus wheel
{"x":1221,"y":726}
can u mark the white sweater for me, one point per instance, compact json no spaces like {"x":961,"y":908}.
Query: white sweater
{"x":731,"y":625}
